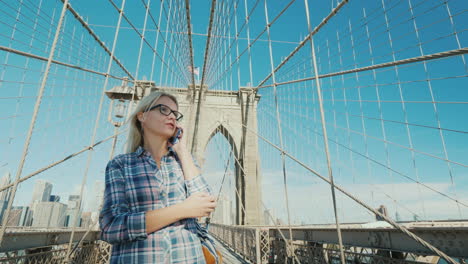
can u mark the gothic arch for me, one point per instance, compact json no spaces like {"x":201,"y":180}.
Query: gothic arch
{"x":225,"y":132}
{"x":239,"y":181}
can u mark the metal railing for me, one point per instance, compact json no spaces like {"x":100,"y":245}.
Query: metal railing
{"x":265,"y":244}
{"x":93,"y":252}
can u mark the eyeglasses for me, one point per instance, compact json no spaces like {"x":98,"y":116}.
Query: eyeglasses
{"x":165,"y":110}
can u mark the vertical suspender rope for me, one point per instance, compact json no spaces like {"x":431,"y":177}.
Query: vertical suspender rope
{"x":434,"y":105}
{"x":33,"y":121}
{"x":248,"y":42}
{"x":405,"y":114}
{"x":280,"y":134}
{"x":207,"y":50}
{"x":161,"y":7}
{"x":93,"y":223}
{"x":245,"y":110}
{"x":361,"y":109}
{"x":96,"y":126}
{"x":189,"y":32}
{"x":114,"y":142}
{"x":325,"y":136}
{"x":130,"y":104}
{"x":239,"y":173}
{"x":170,"y":47}
{"x":236,"y":189}
{"x":264,"y":206}
{"x":208,"y":219}
{"x":165,"y":42}
{"x":401,"y":228}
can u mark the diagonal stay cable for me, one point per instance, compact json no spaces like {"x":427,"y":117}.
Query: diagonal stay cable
{"x":404,"y":147}
{"x":224,"y":175}
{"x":145,"y":40}
{"x":41,"y":170}
{"x":237,"y":191}
{"x":91,"y":32}
{"x":304,"y":41}
{"x":325,"y":135}
{"x":29,"y":55}
{"x":33,"y":121}
{"x":200,"y":91}
{"x":257,"y":38}
{"x":387,"y":167}
{"x":363,"y":204}
{"x":238,"y":195}
{"x":278,"y":122}
{"x":382,"y":191}
{"x":264,"y":206}
{"x":434,"y":56}
{"x":94,"y":222}
{"x":95,"y":131}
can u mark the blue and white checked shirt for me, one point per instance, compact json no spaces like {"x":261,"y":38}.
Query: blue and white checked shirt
{"x":134,"y":185}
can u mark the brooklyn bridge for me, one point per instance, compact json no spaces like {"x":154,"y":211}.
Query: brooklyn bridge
{"x":329,"y":131}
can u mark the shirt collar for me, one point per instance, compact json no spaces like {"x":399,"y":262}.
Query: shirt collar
{"x":140,"y":151}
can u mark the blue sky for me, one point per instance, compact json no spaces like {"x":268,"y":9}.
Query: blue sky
{"x":362,"y":147}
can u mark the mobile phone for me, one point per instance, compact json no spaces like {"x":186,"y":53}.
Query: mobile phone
{"x":175,"y":139}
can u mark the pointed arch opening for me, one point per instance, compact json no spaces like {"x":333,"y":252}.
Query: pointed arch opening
{"x":232,"y":198}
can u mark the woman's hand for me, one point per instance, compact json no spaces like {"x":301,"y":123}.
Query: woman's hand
{"x":199,"y":205}
{"x":186,"y":160}
{"x":181,"y":146}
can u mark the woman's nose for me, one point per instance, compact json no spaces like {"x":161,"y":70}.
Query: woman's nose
{"x":172,"y":116}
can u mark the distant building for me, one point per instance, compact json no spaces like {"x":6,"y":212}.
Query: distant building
{"x":383,"y":210}
{"x":18,"y":216}
{"x":5,"y":195}
{"x":90,"y":220}
{"x":397,"y":217}
{"x":54,"y":198}
{"x":29,"y":215}
{"x":266,"y":216}
{"x":85,"y":219}
{"x":270,"y":217}
{"x":72,"y":211}
{"x":94,"y":221}
{"x":97,"y":196}
{"x":49,"y":214}
{"x":223,"y":213}
{"x":41,"y":192}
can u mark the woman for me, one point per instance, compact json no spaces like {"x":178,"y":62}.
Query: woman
{"x":146,"y":214}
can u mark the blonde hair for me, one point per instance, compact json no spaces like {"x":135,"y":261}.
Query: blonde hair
{"x":135,"y":134}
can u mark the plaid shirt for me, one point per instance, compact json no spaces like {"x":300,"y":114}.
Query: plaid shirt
{"x":134,"y":185}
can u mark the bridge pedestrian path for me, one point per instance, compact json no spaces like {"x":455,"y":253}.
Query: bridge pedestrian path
{"x":229,"y":256}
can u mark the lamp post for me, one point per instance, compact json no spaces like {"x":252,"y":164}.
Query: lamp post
{"x":120,"y":96}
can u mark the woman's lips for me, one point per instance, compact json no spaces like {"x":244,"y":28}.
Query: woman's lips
{"x":170,"y":125}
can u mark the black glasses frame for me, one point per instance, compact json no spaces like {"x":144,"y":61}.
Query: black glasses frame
{"x":178,"y":115}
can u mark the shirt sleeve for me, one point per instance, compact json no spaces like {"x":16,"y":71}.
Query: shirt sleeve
{"x":198,"y":183}
{"x":118,"y":223}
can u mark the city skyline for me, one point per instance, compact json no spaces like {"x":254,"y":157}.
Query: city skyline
{"x":47,"y":209}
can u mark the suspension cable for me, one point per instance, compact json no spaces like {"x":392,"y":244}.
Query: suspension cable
{"x":363,"y":204}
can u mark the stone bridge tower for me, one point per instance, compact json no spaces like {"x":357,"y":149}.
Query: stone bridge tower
{"x":234,"y":115}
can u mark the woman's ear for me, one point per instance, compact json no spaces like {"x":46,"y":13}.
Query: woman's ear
{"x":140,"y":116}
